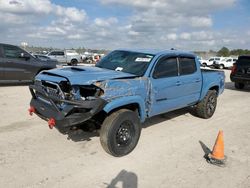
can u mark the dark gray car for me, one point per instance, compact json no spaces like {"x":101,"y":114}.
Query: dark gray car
{"x":18,"y":65}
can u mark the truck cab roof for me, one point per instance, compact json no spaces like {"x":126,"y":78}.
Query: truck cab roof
{"x":158,"y":52}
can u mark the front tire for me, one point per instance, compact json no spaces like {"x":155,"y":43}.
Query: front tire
{"x":120,"y":132}
{"x":206,"y":108}
{"x":221,"y":66}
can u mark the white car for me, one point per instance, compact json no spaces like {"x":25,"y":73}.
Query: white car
{"x":71,"y":57}
{"x":211,"y":61}
{"x":225,"y":63}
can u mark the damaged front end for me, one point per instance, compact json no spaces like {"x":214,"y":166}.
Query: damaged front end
{"x":64,"y":105}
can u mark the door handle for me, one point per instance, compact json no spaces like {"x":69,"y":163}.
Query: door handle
{"x":197,"y":80}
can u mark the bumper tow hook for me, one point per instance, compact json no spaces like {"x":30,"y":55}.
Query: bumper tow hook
{"x":51,"y":123}
{"x":31,"y":110}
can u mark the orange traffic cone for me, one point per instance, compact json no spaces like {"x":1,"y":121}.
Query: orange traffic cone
{"x":217,"y":156}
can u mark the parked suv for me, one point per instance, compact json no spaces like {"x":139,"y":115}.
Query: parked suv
{"x":18,"y":65}
{"x":225,"y":63}
{"x":71,"y":57}
{"x":211,"y":61}
{"x":240,"y":74}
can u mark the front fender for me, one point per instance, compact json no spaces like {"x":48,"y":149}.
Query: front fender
{"x":123,"y":101}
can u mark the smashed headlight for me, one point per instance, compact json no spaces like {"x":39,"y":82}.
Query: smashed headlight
{"x":90,"y":92}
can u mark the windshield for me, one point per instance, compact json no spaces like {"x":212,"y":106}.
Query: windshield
{"x":129,"y":62}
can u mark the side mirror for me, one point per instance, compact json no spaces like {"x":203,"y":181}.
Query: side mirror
{"x":24,"y":56}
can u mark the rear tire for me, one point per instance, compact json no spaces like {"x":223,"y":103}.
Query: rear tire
{"x":206,"y":108}
{"x":120,"y":132}
{"x":238,"y":85}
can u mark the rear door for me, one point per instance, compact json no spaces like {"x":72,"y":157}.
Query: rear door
{"x":190,"y":80}
{"x":18,"y":64}
{"x":58,"y":55}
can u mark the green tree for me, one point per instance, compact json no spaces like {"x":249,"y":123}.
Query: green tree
{"x":224,"y":51}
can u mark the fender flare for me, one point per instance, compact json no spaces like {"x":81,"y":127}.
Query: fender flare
{"x":126,"y":100}
{"x":206,"y":89}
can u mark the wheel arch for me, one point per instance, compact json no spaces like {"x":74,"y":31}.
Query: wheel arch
{"x":216,"y":88}
{"x":73,"y":59}
{"x":134,"y":103}
{"x":208,"y":88}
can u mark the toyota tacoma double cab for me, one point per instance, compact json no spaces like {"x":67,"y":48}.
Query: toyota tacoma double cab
{"x":122,"y":90}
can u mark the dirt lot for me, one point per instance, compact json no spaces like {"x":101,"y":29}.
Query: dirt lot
{"x":169,"y":153}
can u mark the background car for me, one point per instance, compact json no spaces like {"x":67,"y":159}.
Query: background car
{"x":225,"y":63}
{"x":70,"y":57}
{"x":18,"y":65}
{"x":211,"y":61}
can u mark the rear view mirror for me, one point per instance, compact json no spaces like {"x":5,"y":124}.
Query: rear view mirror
{"x":24,"y":56}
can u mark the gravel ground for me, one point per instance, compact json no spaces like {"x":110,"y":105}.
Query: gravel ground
{"x":169,"y":153}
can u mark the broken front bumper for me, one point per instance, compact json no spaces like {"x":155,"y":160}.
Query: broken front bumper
{"x":66,"y":113}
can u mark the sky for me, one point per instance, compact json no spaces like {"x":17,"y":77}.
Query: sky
{"x":110,"y":24}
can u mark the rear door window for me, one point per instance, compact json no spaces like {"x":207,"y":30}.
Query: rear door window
{"x":52,"y":53}
{"x":187,"y":65}
{"x":60,"y":53}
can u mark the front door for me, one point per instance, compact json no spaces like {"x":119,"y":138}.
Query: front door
{"x":165,"y":86}
{"x":17,"y":67}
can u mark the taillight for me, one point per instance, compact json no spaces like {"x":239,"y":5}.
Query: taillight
{"x":233,"y":71}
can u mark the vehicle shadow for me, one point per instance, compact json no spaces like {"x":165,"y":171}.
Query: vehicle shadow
{"x":80,"y":135}
{"x":127,"y":180}
{"x":164,"y":117}
{"x":15,"y":84}
{"x":87,"y":130}
{"x":230,"y":86}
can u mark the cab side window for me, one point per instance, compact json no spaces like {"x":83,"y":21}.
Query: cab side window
{"x":187,"y":65}
{"x":12,"y":52}
{"x":166,"y":67}
{"x":53,"y":53}
{"x":60,"y":53}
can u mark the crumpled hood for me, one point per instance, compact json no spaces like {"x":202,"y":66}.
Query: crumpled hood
{"x":81,"y":75}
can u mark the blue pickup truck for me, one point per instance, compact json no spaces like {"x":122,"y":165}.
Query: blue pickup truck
{"x":122,"y":90}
